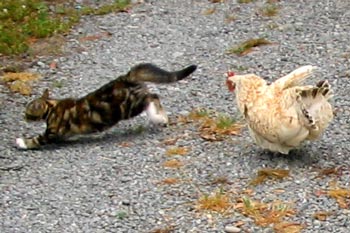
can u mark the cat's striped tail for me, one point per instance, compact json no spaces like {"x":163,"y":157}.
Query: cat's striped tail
{"x":147,"y":72}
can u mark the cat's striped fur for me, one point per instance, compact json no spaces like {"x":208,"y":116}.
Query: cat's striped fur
{"x":121,"y":99}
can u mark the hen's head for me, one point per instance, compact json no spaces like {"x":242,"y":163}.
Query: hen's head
{"x":229,"y":82}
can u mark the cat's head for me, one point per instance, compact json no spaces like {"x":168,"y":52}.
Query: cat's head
{"x":38,"y":108}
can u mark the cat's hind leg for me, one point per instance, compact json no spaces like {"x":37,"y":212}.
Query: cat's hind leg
{"x":155,"y":111}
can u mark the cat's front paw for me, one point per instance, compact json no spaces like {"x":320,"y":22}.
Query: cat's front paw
{"x":21,"y":143}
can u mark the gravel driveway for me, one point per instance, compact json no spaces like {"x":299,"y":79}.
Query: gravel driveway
{"x":112,"y":182}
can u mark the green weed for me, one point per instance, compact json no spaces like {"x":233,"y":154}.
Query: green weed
{"x":225,"y":121}
{"x":247,"y":46}
{"x":22,"y":22}
{"x":245,"y":1}
{"x":269,"y":10}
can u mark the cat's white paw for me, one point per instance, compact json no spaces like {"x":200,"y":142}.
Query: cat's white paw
{"x":157,"y":116}
{"x":20,"y":143}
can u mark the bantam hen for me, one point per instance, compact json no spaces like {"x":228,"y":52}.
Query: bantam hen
{"x":282,"y":115}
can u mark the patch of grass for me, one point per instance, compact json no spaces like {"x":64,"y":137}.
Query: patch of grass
{"x":218,"y":202}
{"x":22,"y":22}
{"x":230,"y":18}
{"x":214,"y":129}
{"x":225,"y":121}
{"x":245,"y":1}
{"x":269,"y":10}
{"x":272,"y":26}
{"x":212,"y":126}
{"x":118,"y":5}
{"x":139,"y":129}
{"x":57,"y":83}
{"x":121,"y":215}
{"x":247,"y":46}
{"x":199,"y":113}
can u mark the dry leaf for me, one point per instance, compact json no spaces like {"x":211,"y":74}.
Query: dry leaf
{"x":95,"y":37}
{"x":265,"y":214}
{"x":209,"y":11}
{"x":170,"y":141}
{"x":248,"y":192}
{"x":230,"y":18}
{"x":221,"y":180}
{"x":340,"y":195}
{"x":169,"y":181}
{"x":322,"y":215}
{"x":125,"y":144}
{"x":20,"y":87}
{"x":330,"y":171}
{"x":263,"y":174}
{"x":174,"y":163}
{"x":239,"y":223}
{"x":19,"y":82}
{"x":279,"y":191}
{"x":167,"y":229}
{"x":217,"y":1}
{"x":288,"y":227}
{"x":218,"y":202}
{"x":22,"y":76}
{"x":211,"y":137}
{"x":181,"y":150}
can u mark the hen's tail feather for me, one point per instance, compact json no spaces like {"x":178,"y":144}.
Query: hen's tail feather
{"x":310,"y":98}
{"x":322,"y":88}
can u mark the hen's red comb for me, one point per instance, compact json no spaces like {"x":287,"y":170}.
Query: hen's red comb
{"x":229,"y":83}
{"x":230,"y":74}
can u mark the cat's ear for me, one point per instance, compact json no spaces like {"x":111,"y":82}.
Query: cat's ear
{"x":45,"y":94}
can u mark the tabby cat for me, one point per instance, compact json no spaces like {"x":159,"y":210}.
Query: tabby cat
{"x":121,"y":99}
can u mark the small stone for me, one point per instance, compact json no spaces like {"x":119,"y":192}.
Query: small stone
{"x":177,"y":54}
{"x":232,"y":229}
{"x":126,"y":202}
{"x":41,"y":64}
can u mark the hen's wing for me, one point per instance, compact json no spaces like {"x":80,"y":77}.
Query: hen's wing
{"x":295,"y":78}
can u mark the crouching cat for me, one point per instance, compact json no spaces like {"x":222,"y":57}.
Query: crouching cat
{"x":121,"y":99}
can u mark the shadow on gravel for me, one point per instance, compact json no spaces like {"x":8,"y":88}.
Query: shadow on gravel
{"x":296,"y":158}
{"x":113,"y":137}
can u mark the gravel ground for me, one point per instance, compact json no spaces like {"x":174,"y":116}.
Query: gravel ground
{"x":111,"y":182}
